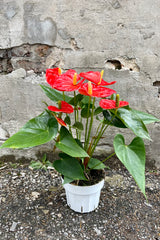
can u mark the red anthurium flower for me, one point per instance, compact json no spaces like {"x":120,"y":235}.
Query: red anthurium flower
{"x":64,"y":107}
{"x":110,"y":104}
{"x":71,"y":73}
{"x":60,"y":121}
{"x":95,"y":77}
{"x":68,"y":81}
{"x":93,"y":90}
{"x":52,"y":74}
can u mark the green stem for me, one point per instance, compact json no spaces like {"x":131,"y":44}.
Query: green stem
{"x":80,"y":131}
{"x":95,"y":136}
{"x":86,"y":128}
{"x":103,"y":129}
{"x":111,"y":155}
{"x":75,"y":112}
{"x":91,"y":123}
{"x":63,"y":96}
{"x":97,"y":139}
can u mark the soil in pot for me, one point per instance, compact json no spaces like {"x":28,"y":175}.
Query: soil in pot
{"x":94,"y":176}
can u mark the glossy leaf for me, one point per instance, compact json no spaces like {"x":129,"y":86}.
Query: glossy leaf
{"x":133,"y":158}
{"x":84,"y":112}
{"x":85,"y":99}
{"x":76,"y":99}
{"x":37,"y":131}
{"x":67,"y":180}
{"x":54,"y":95}
{"x":95,"y":164}
{"x":70,"y":168}
{"x":145,"y":117}
{"x":132,"y":121}
{"x":112,"y":120}
{"x":68,"y":144}
{"x":78,"y":125}
{"x":67,"y":120}
{"x":98,"y":110}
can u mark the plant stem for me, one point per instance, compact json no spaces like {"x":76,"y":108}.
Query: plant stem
{"x":75,"y":112}
{"x":111,"y":155}
{"x":63,"y":96}
{"x":91,"y":123}
{"x":85,"y":144}
{"x":103,"y":129}
{"x":97,"y":139}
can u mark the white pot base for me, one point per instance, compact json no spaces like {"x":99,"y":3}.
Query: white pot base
{"x":83,"y":199}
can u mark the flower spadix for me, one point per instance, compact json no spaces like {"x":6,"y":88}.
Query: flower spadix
{"x":112,"y":104}
{"x":68,"y":81}
{"x":93,"y":90}
{"x":96,"y":77}
{"x":63,"y":107}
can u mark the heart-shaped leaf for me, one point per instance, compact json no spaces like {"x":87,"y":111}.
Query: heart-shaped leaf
{"x":67,"y":120}
{"x":132,"y":121}
{"x":54,"y":95}
{"x":68,"y":144}
{"x":95,"y":164}
{"x":85,"y":113}
{"x":133,"y":158}
{"x":112,"y":120}
{"x":76,"y":99}
{"x":78,"y":125}
{"x":37,"y":131}
{"x":70,"y":168}
{"x":98,"y":110}
{"x":145,"y":117}
{"x":67,"y":180}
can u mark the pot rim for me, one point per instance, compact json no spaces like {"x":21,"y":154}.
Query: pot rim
{"x":84,"y":190}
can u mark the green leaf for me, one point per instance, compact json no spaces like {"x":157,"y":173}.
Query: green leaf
{"x":44,"y":158}
{"x":116,"y":122}
{"x":78,"y":125}
{"x":79,"y":142}
{"x":98,"y":110}
{"x":40,"y":165}
{"x":67,"y":180}
{"x":67,"y":120}
{"x":68,"y":144}
{"x":84,"y":112}
{"x":85,"y":99}
{"x":95,"y":164}
{"x":37,"y":131}
{"x":132,"y":121}
{"x":133,"y":158}
{"x":70,"y":168}
{"x":76,"y":99}
{"x":145,"y":117}
{"x":54,"y":95}
{"x":36,"y":164}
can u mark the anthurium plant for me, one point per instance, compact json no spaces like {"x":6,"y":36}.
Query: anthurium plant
{"x":95,"y":107}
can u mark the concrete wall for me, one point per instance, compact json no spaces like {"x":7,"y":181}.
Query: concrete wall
{"x":83,"y":35}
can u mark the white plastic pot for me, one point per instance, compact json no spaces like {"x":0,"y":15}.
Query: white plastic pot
{"x":83,"y":198}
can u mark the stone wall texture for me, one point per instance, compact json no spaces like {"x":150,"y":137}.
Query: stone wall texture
{"x":119,"y":36}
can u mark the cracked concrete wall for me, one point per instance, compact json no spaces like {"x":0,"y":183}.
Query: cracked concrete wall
{"x":121,"y":37}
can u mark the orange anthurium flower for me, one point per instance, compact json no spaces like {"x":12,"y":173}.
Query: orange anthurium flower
{"x":111,"y":104}
{"x":95,"y":77}
{"x":64,"y":107}
{"x":52,"y":74}
{"x":93,"y":90}
{"x":68,"y":81}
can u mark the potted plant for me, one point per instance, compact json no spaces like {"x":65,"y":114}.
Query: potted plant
{"x":77,"y":137}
